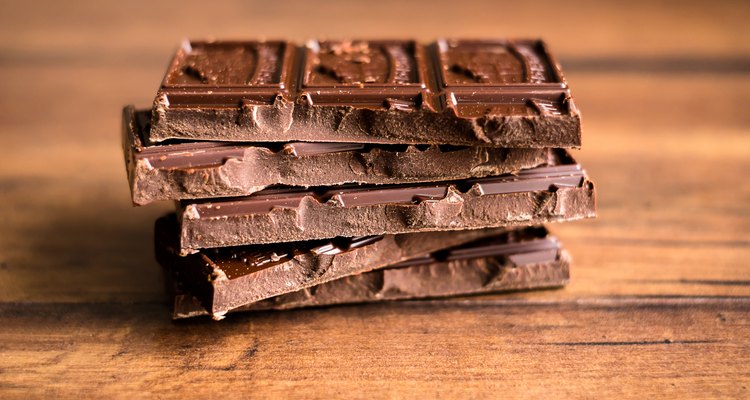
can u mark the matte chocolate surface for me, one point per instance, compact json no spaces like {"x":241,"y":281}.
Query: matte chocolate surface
{"x":559,"y":192}
{"x":226,"y":278}
{"x":521,"y":259}
{"x":507,"y":93}
{"x":190,"y":170}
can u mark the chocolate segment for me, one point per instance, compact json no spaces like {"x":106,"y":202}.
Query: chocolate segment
{"x":227,"y":278}
{"x":230,"y":64}
{"x":493,"y":93}
{"x":518,"y":260}
{"x":559,"y":192}
{"x":191,"y":170}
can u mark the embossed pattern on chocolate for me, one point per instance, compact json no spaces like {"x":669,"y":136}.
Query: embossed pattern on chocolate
{"x":491,"y":93}
{"x":361,"y":63}
{"x":228,"y":64}
{"x":501,"y":63}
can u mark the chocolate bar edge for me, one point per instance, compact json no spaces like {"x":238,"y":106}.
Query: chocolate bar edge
{"x":207,"y":280}
{"x":308,"y":219}
{"x":246,"y":168}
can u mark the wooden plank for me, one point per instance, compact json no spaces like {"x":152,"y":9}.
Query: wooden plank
{"x":653,"y":348}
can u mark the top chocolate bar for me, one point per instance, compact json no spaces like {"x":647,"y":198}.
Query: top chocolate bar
{"x":507,"y":93}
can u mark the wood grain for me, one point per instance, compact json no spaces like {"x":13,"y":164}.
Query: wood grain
{"x":659,"y":304}
{"x":653,"y":348}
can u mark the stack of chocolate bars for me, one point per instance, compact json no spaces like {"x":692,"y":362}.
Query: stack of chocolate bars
{"x":356,"y":171}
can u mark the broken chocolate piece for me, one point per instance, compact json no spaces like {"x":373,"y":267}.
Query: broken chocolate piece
{"x":506,"y":93}
{"x":191,"y":170}
{"x":226,"y":278}
{"x":522,"y":259}
{"x":560,"y":192}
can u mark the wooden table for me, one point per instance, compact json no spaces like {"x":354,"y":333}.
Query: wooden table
{"x":659,"y":304}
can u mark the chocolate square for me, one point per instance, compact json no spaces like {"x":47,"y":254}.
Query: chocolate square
{"x":371,"y":71}
{"x":497,"y":63}
{"x":500,"y":77}
{"x":205,"y":73}
{"x":228,"y":64}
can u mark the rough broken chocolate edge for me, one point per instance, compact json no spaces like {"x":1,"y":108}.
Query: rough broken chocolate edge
{"x":315,"y":220}
{"x":442,"y":279}
{"x":260,"y":167}
{"x":328,"y":123}
{"x":129,"y":144}
{"x":219,"y":294}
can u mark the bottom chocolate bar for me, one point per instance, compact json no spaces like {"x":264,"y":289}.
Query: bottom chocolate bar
{"x":520,"y":259}
{"x":229,"y":277}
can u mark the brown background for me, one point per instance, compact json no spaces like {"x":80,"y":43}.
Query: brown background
{"x":660,"y":298}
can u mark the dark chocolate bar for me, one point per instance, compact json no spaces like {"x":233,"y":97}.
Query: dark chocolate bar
{"x":559,"y":192}
{"x":190,"y":170}
{"x":507,"y":93}
{"x":522,"y":259}
{"x":227,"y":278}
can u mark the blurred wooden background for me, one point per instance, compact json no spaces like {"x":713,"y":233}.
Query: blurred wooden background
{"x":660,"y":299}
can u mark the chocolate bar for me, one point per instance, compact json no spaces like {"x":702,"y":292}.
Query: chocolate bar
{"x":506,"y":93}
{"x":559,"y":192}
{"x":227,"y":278}
{"x":190,"y":170}
{"x":522,"y":259}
